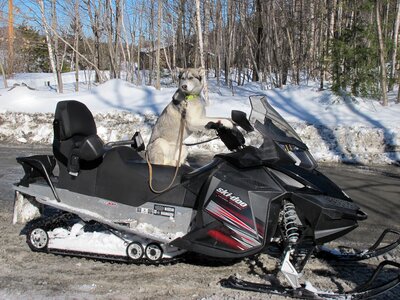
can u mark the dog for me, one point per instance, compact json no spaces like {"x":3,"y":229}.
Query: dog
{"x":164,"y":143}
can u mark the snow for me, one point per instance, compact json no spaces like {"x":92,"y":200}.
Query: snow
{"x":104,"y":242}
{"x":78,"y":240}
{"x":336,"y":129}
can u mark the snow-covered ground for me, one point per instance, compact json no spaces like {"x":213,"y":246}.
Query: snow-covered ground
{"x":335,"y":129}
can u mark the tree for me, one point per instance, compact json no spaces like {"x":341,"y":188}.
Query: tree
{"x":94,"y":11}
{"x":201,"y":47}
{"x":10,"y":37}
{"x":77,"y":30}
{"x":48,"y":39}
{"x":395,"y":35}
{"x":274,"y":42}
{"x":383,"y":75}
{"x":33,"y":50}
{"x":158,"y":56}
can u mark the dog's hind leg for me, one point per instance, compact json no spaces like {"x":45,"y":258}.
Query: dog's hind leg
{"x":184,"y":154}
{"x":158,"y":152}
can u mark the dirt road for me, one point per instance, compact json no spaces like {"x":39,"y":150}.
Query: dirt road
{"x":28,"y":275}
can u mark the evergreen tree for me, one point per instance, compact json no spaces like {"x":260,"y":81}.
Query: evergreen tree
{"x":355,"y":67}
{"x":33,"y":50}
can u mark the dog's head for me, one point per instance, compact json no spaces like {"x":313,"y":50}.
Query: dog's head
{"x":191,"y":81}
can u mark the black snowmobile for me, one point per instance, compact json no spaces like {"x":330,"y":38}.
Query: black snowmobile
{"x":97,"y":201}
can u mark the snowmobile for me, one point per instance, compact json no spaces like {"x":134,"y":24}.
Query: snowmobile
{"x":93,"y":199}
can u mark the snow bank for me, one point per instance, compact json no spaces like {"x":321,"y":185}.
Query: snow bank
{"x":335,"y":129}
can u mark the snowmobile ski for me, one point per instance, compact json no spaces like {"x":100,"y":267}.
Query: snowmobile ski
{"x":368,"y":290}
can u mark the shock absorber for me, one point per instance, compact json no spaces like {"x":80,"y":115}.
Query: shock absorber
{"x":290,"y":222}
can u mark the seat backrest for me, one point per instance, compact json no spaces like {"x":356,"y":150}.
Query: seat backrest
{"x":73,"y":118}
{"x":76,"y":147}
{"x":76,"y":144}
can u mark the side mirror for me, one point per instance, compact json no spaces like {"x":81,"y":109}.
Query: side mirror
{"x":240,"y":118}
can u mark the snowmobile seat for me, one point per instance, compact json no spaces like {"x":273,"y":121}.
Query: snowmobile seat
{"x":118,"y":173}
{"x":123,"y":177}
{"x":76,"y":145}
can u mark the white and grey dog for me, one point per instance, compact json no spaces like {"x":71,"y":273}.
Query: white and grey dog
{"x":163,"y":147}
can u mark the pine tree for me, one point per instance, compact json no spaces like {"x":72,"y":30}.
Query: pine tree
{"x":33,"y":50}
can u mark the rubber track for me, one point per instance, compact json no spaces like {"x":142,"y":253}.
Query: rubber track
{"x":53,"y":222}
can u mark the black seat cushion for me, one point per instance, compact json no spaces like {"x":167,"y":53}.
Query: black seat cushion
{"x":90,"y":148}
{"x":124,"y":177}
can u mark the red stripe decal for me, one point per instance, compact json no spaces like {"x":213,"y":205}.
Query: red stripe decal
{"x":220,"y":237}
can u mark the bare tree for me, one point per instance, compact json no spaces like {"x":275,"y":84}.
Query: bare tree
{"x":383,"y":74}
{"x":94,"y":9}
{"x":201,"y":47}
{"x":48,"y":40}
{"x":395,"y":35}
{"x":158,"y":55}
{"x":76,"y":43}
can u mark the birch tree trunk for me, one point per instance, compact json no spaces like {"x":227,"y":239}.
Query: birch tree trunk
{"x":138,"y":70}
{"x":200,"y":37}
{"x":59,"y":58}
{"x":398,"y":92}
{"x":218,"y":39}
{"x":94,"y":18}
{"x":117,"y":37}
{"x":127,"y":57}
{"x":180,"y":35}
{"x":77,"y":25}
{"x":381,"y":54}
{"x":158,"y":67}
{"x":109,"y":31}
{"x":4,"y":75}
{"x":152,"y":34}
{"x":395,"y":44}
{"x":48,"y":40}
{"x":257,"y":60}
{"x":206,"y":33}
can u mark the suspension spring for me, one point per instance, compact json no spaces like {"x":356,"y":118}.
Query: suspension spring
{"x":290,"y":223}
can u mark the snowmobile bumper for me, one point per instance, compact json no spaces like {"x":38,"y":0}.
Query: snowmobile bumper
{"x":25,"y":209}
{"x":36,"y":168}
{"x":350,"y":254}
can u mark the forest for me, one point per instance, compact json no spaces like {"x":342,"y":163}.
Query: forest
{"x":348,"y":46}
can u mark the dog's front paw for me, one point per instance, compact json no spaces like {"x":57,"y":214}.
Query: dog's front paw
{"x":227,"y":123}
{"x":213,"y":125}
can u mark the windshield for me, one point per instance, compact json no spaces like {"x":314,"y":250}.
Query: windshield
{"x":274,"y":128}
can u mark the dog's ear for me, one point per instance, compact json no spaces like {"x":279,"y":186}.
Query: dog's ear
{"x":179,"y":71}
{"x":202,"y":72}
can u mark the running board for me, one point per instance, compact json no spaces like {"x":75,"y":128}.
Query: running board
{"x":365,"y":291}
{"x":351,"y":254}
